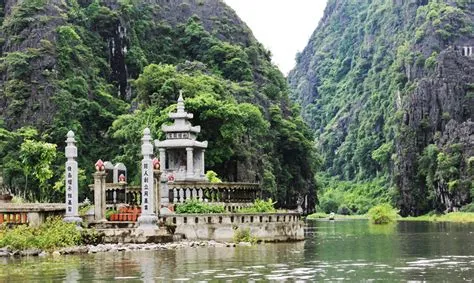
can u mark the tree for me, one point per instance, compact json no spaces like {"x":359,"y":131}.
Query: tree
{"x":36,"y":160}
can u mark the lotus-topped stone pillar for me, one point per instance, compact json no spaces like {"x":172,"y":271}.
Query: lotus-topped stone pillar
{"x":72,"y":203}
{"x":148,"y":219}
{"x":99,"y":191}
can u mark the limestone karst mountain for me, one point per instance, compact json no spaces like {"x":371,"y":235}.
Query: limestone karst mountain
{"x":387,"y":86}
{"x":106,"y":69}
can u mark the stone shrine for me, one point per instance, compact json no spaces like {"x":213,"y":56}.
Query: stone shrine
{"x":181,"y":155}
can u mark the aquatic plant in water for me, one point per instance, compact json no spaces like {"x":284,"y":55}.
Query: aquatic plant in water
{"x":383,"y":214}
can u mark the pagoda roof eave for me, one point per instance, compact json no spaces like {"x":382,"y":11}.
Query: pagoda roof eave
{"x":174,"y":128}
{"x":180,"y":143}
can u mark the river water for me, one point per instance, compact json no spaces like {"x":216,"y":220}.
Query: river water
{"x":350,"y":250}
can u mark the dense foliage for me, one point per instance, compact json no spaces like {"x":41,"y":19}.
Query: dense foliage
{"x":53,"y":234}
{"x":382,"y":214}
{"x":108,"y":70}
{"x":381,"y":83}
{"x":348,"y":198}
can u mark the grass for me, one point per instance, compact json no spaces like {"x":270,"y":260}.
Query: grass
{"x":322,"y":215}
{"x":461,"y":217}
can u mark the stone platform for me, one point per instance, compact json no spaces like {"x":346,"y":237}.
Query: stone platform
{"x":268,"y":227}
{"x":135,"y":236}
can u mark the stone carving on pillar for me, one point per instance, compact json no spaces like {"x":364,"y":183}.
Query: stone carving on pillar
{"x":72,"y":205}
{"x":148,"y":219}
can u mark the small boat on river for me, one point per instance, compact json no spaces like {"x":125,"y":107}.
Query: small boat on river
{"x":332,"y":215}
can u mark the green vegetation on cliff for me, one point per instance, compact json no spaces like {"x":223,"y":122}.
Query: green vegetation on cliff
{"x":385,"y":87}
{"x":107,"y":69}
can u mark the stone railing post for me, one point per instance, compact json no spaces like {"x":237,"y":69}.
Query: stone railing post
{"x":148,"y":219}
{"x":99,"y":196}
{"x":72,"y":205}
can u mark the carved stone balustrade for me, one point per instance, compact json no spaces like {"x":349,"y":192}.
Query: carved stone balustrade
{"x":116,"y":193}
{"x":225,"y":193}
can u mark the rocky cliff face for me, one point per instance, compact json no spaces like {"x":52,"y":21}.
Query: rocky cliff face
{"x":384,"y":84}
{"x":439,"y":111}
{"x":27,"y":44}
{"x":81,"y":65}
{"x":30,"y":27}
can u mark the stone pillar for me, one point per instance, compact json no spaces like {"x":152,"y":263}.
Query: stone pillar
{"x":163,"y":159}
{"x":190,"y":162}
{"x":157,"y":191}
{"x":72,"y":206}
{"x":147,"y":220}
{"x":99,"y":196}
{"x":165,"y":197}
{"x":203,"y":170}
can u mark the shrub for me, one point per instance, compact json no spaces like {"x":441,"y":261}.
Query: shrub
{"x":54,"y":233}
{"x":21,"y":237}
{"x":196,"y":206}
{"x":243,"y":235}
{"x":329,"y":205}
{"x":344,"y":210}
{"x":85,"y":209}
{"x":382,"y":214}
{"x":260,"y":206}
{"x":212,"y":177}
{"x":468,"y":208}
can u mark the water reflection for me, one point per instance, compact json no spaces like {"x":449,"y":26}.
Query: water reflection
{"x":335,"y":251}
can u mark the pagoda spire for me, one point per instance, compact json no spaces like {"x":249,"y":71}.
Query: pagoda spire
{"x":180,"y":102}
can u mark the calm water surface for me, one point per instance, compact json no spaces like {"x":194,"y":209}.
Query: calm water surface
{"x":334,"y":251}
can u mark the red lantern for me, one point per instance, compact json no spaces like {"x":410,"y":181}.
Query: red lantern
{"x":156,"y":164}
{"x":99,"y":165}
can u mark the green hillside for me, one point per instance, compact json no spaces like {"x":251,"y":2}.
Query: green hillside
{"x":108,"y":69}
{"x":387,"y":90}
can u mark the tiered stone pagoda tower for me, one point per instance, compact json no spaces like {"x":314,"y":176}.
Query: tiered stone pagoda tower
{"x":181,"y":155}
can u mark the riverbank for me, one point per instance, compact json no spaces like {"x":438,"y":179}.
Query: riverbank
{"x":459,"y":217}
{"x":322,"y":216}
{"x":101,"y":248}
